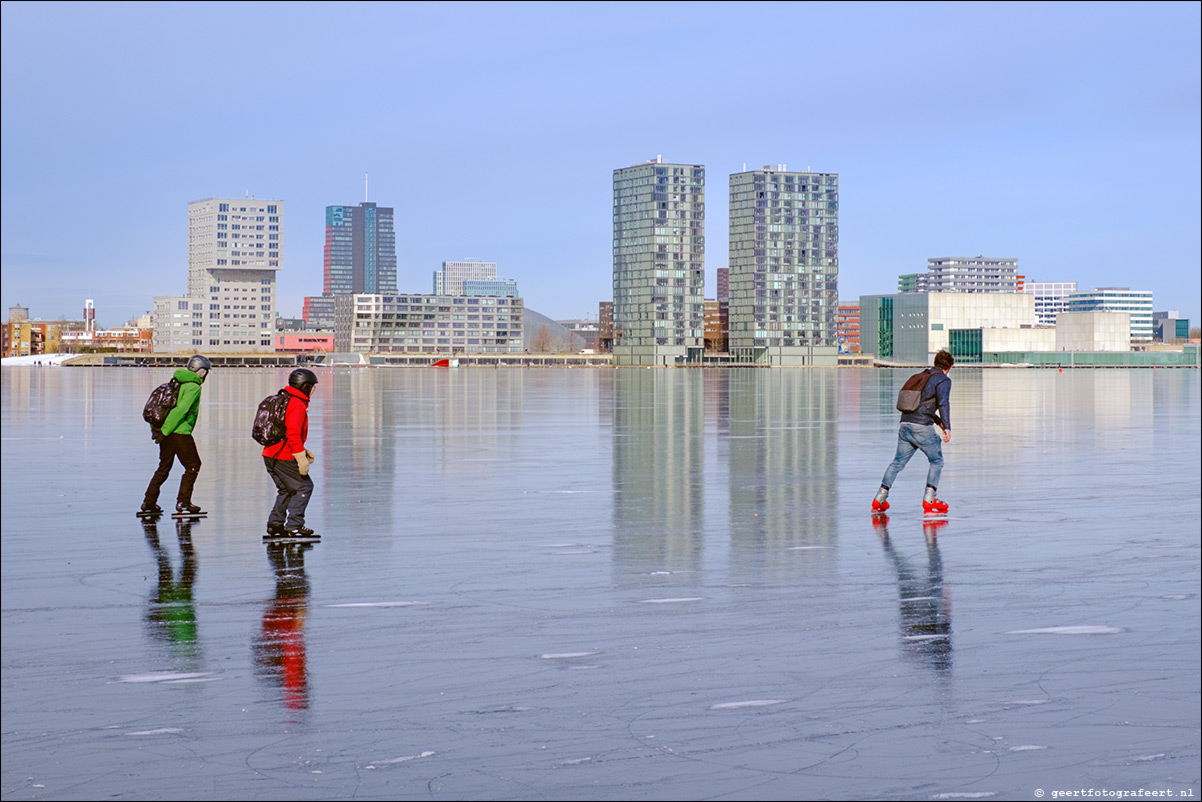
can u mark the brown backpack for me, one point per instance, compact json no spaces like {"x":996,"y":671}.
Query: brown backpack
{"x":909,"y":397}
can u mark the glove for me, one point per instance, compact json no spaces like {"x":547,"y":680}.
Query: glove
{"x":302,"y":462}
{"x":312,"y":457}
{"x":156,"y":435}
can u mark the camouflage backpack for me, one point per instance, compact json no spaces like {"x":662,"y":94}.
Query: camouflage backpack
{"x":269,"y":427}
{"x":162,"y":400}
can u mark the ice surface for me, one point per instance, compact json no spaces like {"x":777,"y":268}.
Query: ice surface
{"x":605,"y":584}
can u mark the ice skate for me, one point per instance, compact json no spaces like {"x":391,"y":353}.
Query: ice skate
{"x":934,"y":507}
{"x":186,"y":509}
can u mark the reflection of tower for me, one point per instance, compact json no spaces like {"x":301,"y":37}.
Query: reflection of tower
{"x":170,"y":610}
{"x":782,"y":444}
{"x":280,"y":648}
{"x":925,"y":605}
{"x":658,"y":470}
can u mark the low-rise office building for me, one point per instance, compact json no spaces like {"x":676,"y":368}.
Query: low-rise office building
{"x":1092,"y":331}
{"x":984,"y":328}
{"x":1136,"y":303}
{"x":847,"y":327}
{"x":717,"y":321}
{"x":126,"y":340}
{"x":427,"y":324}
{"x":911,"y":327}
{"x":1050,"y":299}
{"x":303,"y":342}
{"x":1170,"y":327}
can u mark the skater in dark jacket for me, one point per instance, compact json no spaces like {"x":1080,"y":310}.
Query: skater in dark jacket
{"x":917,"y":433}
{"x":175,"y":439}
{"x":288,"y":462}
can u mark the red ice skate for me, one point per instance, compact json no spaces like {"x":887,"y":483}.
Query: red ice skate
{"x":934,"y":506}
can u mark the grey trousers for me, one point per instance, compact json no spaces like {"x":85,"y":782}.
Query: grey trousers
{"x":292,"y":496}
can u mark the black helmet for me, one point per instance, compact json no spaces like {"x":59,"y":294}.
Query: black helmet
{"x":302,"y":379}
{"x":198,"y":363}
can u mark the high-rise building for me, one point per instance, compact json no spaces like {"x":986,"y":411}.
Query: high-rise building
{"x":359,"y":257}
{"x":235,"y":249}
{"x":659,"y":263}
{"x":449,"y":279}
{"x":1137,"y":303}
{"x":784,"y":266}
{"x":1049,"y":299}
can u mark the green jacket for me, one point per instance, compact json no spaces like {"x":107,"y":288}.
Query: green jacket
{"x":182,"y":419}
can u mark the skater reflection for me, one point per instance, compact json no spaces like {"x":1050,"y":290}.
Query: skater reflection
{"x":925,"y":605}
{"x":170,"y":610}
{"x":279,"y":649}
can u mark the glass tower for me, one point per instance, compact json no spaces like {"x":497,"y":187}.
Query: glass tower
{"x":659,"y":263}
{"x":784,"y":266}
{"x":359,"y":257}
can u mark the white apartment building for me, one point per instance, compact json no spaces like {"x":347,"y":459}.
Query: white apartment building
{"x":427,"y":324}
{"x":970,"y":274}
{"x":235,"y":250}
{"x":1049,"y":299}
{"x":179,"y":325}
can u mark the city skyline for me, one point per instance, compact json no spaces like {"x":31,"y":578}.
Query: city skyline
{"x":1071,"y":144}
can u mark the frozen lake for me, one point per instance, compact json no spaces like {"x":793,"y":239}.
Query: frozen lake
{"x":634,"y":584}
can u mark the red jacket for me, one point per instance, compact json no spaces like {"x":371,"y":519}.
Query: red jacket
{"x":296,"y":421}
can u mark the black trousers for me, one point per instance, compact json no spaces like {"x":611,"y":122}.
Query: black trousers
{"x":292,"y":493}
{"x":184,"y":447}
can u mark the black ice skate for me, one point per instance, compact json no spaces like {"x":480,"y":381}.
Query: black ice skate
{"x":186,"y":509}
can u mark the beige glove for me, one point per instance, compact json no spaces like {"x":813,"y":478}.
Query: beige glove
{"x":303,"y":462}
{"x":312,"y":457}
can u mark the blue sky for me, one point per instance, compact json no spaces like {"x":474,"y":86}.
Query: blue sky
{"x":1064,"y":135}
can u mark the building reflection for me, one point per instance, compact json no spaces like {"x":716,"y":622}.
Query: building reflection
{"x":658,"y":473}
{"x":780,"y":440}
{"x":924,"y":603}
{"x":171,"y":609}
{"x":232,"y":478}
{"x":392,"y":430}
{"x":279,"y":648}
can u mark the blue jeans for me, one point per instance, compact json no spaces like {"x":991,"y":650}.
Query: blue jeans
{"x":913,"y":437}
